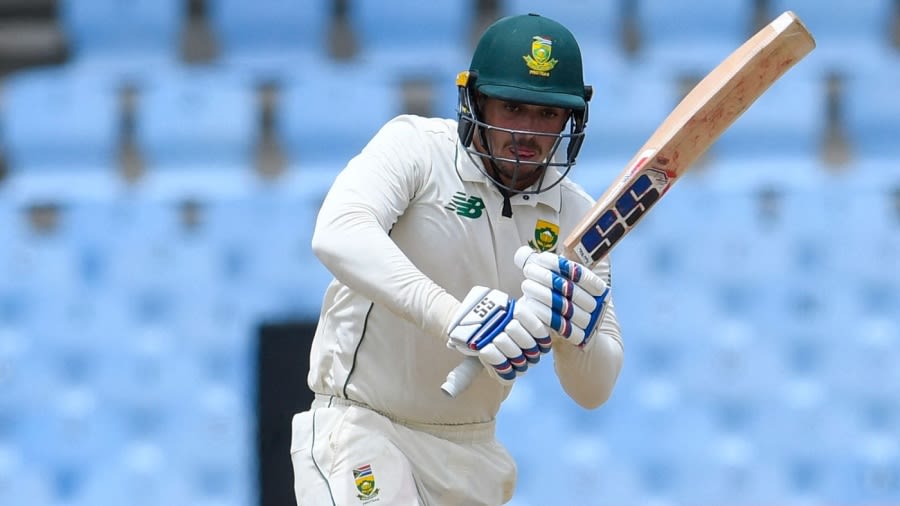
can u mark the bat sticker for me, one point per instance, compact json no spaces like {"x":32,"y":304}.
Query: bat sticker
{"x":622,"y":214}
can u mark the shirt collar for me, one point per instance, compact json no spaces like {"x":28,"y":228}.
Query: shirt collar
{"x":469,"y":169}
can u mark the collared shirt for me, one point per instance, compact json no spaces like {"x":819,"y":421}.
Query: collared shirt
{"x":408,"y":228}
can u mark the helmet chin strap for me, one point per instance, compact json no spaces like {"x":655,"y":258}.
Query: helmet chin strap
{"x":507,"y":205}
{"x":494,"y":172}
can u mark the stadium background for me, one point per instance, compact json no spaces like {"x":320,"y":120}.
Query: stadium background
{"x":162,"y":165}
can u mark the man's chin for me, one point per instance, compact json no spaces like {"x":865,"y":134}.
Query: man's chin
{"x":521,"y":184}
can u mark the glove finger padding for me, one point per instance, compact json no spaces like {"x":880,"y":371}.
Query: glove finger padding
{"x":563,"y":286}
{"x":535,"y":326}
{"x":560,"y":305}
{"x":522,"y":340}
{"x":511,"y":351}
{"x":573,"y":271}
{"x":562,"y":326}
{"x":494,"y":360}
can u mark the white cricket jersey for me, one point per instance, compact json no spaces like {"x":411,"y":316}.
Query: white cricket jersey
{"x":409,"y":226}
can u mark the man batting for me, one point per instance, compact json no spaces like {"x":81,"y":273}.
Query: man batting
{"x":421,"y":230}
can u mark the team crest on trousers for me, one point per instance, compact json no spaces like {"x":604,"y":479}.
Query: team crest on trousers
{"x":546,"y":235}
{"x":365,"y":483}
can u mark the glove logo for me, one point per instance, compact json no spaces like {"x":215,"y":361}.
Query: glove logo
{"x":365,"y":483}
{"x":546,"y":235}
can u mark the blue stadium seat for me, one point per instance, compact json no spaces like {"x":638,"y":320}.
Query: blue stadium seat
{"x":741,"y":249}
{"x":212,"y":304}
{"x":872,"y":119}
{"x":871,"y":461}
{"x":197,"y":131}
{"x":873,"y":469}
{"x":851,"y":35}
{"x":413,"y":39}
{"x":263,"y":38}
{"x":534,"y":474}
{"x":36,"y":263}
{"x":691,"y":38}
{"x":731,"y":362}
{"x":77,"y":432}
{"x":223,"y":353}
{"x":141,"y":472}
{"x":664,"y":246}
{"x":796,"y":248}
{"x":731,"y":467}
{"x":22,"y":386}
{"x":624,"y":112}
{"x":197,"y":120}
{"x":587,"y":467}
{"x":10,"y":221}
{"x":132,"y":37}
{"x":214,"y":445}
{"x":70,"y":428}
{"x":287,"y":280}
{"x":668,"y":422}
{"x":21,"y":482}
{"x":871,"y":354}
{"x":59,"y":119}
{"x":92,"y":231}
{"x":809,"y":441}
{"x":766,"y":230}
{"x":867,"y":220}
{"x":788,"y":122}
{"x":104,"y":240}
{"x":324,"y":120}
{"x":149,"y":237}
{"x":153,"y":234}
{"x":229,"y":229}
{"x":146,"y":379}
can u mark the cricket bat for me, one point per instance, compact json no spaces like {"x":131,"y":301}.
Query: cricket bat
{"x":686,"y":133}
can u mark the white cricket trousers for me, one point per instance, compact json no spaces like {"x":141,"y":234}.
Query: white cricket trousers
{"x":345,"y":454}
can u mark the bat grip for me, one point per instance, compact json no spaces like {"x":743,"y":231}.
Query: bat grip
{"x":461,"y":377}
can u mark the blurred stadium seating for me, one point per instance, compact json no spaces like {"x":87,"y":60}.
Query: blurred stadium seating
{"x":679,"y":39}
{"x":59,"y":119}
{"x":421,"y":40}
{"x":146,"y":33}
{"x":267,"y":37}
{"x":144,"y":240}
{"x":872,"y":113}
{"x":312,"y":135}
{"x":853,"y":35}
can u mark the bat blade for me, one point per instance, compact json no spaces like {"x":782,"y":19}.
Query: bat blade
{"x":686,"y":133}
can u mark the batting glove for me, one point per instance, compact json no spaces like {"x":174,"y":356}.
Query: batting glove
{"x":490,"y":324}
{"x":566,"y":296}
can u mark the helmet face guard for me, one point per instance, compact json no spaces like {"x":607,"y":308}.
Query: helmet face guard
{"x":470,"y":123}
{"x":526,"y":59}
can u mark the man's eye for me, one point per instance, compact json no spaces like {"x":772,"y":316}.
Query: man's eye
{"x":550,"y":113}
{"x":511,"y":107}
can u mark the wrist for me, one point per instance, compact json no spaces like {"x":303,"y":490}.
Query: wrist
{"x":443,"y":309}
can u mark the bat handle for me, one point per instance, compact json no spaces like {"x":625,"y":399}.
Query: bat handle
{"x":461,"y":377}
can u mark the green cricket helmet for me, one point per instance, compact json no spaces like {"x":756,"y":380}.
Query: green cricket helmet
{"x":526,"y":59}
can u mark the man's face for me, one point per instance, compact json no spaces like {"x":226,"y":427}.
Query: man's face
{"x":526,"y":147}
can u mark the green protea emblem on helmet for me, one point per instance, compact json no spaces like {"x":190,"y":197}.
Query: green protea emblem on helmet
{"x":546,"y":235}
{"x":539,"y":61}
